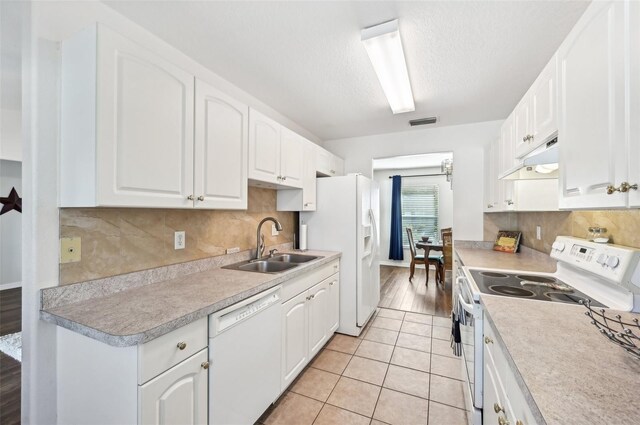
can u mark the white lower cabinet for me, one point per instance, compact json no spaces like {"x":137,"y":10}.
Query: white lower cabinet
{"x":309,"y":319}
{"x":504,"y":402}
{"x":178,"y":396}
{"x":164,"y":381}
{"x":295,"y":346}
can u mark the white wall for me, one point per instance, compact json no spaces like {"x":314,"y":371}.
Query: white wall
{"x":465,"y":141}
{"x":445,"y":207}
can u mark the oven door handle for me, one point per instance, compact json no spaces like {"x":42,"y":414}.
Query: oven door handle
{"x":467,"y":307}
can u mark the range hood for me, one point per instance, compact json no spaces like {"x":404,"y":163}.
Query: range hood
{"x":542,"y":163}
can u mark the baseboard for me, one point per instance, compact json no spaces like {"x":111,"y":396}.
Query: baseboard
{"x":10,"y":285}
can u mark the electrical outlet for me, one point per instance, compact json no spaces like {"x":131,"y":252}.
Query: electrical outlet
{"x":70,"y":250}
{"x":233,"y":250}
{"x":179,"y":240}
{"x":274,"y":232}
{"x":538,"y":233}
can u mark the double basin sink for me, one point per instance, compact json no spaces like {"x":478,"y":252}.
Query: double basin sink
{"x":276,"y":264}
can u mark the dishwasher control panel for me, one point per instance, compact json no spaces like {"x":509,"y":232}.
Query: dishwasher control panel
{"x":238,"y":313}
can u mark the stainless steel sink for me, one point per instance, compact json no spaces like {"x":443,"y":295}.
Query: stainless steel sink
{"x":292,"y":258}
{"x":262,"y":266}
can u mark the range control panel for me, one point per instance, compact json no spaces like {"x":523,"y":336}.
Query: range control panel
{"x":612,"y":262}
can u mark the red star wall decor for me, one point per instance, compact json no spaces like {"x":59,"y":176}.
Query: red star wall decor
{"x":11,"y":202}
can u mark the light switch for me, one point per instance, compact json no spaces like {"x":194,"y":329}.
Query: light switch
{"x":538,"y":232}
{"x":274,"y":232}
{"x":70,"y":250}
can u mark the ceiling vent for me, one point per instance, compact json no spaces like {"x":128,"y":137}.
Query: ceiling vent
{"x":423,"y":121}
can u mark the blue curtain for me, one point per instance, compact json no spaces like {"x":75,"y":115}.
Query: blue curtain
{"x":395,"y":247}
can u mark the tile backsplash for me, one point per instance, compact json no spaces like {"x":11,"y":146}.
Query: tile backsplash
{"x":623,"y":226}
{"x":123,"y":240}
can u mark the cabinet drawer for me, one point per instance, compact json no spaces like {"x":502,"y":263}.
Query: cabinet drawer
{"x":295,"y":286}
{"x":164,"y":352}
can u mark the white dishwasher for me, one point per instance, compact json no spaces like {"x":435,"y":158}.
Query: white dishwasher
{"x":245,"y":343}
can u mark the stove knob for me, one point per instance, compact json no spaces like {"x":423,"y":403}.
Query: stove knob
{"x":602,"y":259}
{"x":558,"y":246}
{"x":613,"y":262}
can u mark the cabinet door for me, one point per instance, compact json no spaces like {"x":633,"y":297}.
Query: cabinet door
{"x":333,"y":310}
{"x":178,"y":396}
{"x":264,"y":148}
{"x":324,"y":162}
{"x":291,"y":158}
{"x":634,"y":102}
{"x":507,"y":146}
{"x":591,"y":121}
{"x":543,"y":106}
{"x":317,"y":317}
{"x":521,"y":125}
{"x":489,"y":186}
{"x":309,"y":179}
{"x":338,"y":166}
{"x":295,"y":334}
{"x":220,"y":179}
{"x":144,"y":127}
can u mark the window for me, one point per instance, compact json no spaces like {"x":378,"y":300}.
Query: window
{"x":419,"y":210}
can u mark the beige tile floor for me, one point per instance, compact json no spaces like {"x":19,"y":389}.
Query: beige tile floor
{"x":399,"y":371}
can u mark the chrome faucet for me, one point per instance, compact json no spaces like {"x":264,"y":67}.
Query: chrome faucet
{"x":260,"y":238}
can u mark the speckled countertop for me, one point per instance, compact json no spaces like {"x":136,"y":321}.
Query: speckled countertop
{"x":526,"y":260}
{"x":138,"y":315}
{"x":569,"y":373}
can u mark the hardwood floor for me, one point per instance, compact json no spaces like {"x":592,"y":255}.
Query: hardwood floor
{"x":10,"y":369}
{"x":398,"y":293}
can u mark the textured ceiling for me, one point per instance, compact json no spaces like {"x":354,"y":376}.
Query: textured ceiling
{"x":468,"y":61}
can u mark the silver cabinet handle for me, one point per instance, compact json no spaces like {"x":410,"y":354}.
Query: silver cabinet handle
{"x":488,"y":340}
{"x":182,"y":345}
{"x":332,"y":171}
{"x":205,"y":365}
{"x":190,"y":197}
{"x":284,"y":178}
{"x":489,"y":206}
{"x":332,"y":283}
{"x":623,"y":188}
{"x":200,"y":198}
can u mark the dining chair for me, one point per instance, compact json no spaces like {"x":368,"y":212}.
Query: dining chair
{"x":420,"y":259}
{"x":446,"y":263}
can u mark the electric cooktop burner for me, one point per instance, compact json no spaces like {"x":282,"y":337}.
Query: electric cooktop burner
{"x":534,"y":278}
{"x":512,"y":291}
{"x":533,"y":287}
{"x":492,"y":274}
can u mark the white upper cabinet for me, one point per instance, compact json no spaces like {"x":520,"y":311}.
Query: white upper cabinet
{"x":522,"y":125}
{"x":127,"y":125}
{"x":138,"y":131}
{"x":221,"y":146}
{"x":544,"y":110}
{"x":507,"y":146}
{"x":291,"y":158}
{"x":264,"y":148}
{"x":593,"y":129}
{"x":535,"y":115}
{"x":327,"y":164}
{"x":634,"y":104}
{"x":275,"y":152}
{"x":305,"y":198}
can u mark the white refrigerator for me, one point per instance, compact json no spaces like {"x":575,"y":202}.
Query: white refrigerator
{"x":346,"y":220}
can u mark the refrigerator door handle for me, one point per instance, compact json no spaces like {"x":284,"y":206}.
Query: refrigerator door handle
{"x":374,"y":237}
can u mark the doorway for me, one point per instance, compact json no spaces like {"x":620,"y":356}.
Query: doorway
{"x":426,"y":204}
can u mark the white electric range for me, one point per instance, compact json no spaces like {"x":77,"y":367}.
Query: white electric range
{"x":608,"y":275}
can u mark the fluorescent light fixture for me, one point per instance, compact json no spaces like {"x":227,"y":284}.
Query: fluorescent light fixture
{"x":384,"y":48}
